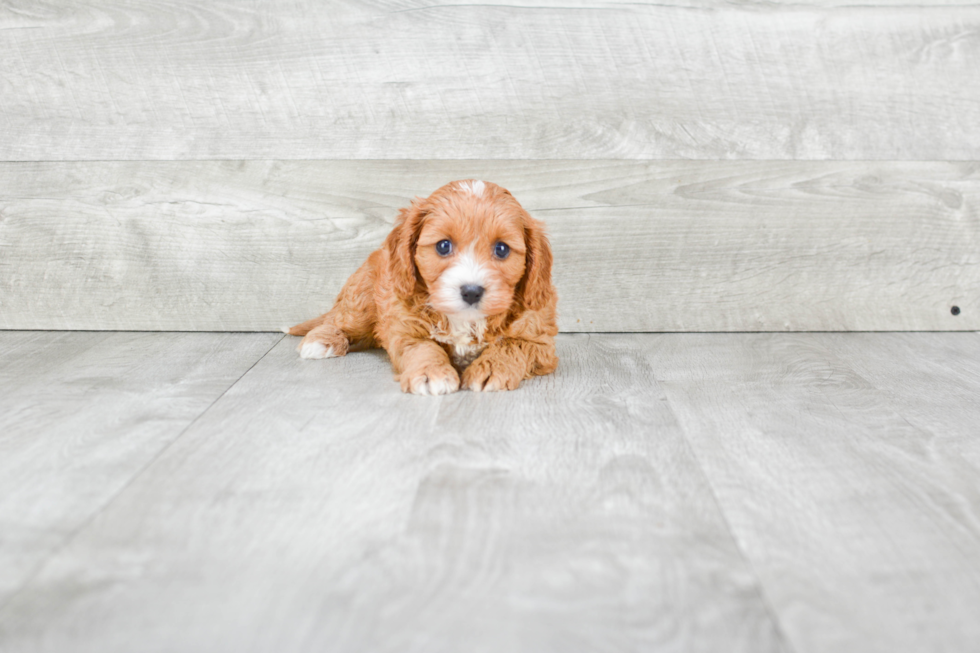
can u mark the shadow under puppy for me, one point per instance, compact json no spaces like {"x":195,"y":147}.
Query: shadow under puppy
{"x":459,"y":294}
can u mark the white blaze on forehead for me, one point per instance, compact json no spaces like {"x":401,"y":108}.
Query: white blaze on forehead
{"x":475,"y":187}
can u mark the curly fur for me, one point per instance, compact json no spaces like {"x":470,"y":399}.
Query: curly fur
{"x":406,"y":296}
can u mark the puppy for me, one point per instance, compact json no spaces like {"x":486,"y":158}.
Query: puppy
{"x":460,"y":295}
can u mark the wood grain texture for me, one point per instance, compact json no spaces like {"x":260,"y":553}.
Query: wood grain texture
{"x":405,"y":80}
{"x":81,"y":414}
{"x":859,"y":511}
{"x":315,"y":507}
{"x":935,"y":378}
{"x":639,"y":246}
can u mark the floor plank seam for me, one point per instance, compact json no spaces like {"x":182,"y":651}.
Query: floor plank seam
{"x":777,"y":625}
{"x":84,"y":525}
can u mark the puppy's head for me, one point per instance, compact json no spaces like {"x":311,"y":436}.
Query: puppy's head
{"x":473,"y":250}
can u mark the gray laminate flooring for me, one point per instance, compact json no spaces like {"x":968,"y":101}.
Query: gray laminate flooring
{"x":669,"y":492}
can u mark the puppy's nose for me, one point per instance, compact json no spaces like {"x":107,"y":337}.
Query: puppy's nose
{"x":471,"y":293}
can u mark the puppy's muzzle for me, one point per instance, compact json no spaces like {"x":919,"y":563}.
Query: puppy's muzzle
{"x":471,"y":293}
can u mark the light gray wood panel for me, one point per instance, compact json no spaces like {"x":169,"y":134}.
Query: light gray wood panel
{"x":935,"y":379}
{"x":81,"y":414}
{"x":181,"y":79}
{"x":863,"y":526}
{"x":639,"y":246}
{"x":315,"y":507}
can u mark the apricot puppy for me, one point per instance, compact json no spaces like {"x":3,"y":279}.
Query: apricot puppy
{"x":460,"y":295}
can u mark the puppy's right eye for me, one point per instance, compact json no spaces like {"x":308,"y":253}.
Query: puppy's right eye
{"x":444,"y":248}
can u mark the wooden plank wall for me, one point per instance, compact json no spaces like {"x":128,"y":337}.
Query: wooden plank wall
{"x":716,"y":166}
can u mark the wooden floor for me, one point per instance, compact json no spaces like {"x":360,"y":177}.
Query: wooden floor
{"x":671,"y":492}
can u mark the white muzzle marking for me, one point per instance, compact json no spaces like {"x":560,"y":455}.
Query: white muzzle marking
{"x":466,"y":271}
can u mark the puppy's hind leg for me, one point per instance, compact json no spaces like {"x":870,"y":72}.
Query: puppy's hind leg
{"x":325,"y":341}
{"x":304,"y":327}
{"x":351,"y":320}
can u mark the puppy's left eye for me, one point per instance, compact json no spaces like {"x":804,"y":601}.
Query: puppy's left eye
{"x":501,"y":250}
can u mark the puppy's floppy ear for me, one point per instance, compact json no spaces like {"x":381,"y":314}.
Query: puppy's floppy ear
{"x":400,"y":246}
{"x":535,"y":287}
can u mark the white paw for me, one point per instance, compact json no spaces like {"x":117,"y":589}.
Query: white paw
{"x":315,"y":349}
{"x":424,"y":386}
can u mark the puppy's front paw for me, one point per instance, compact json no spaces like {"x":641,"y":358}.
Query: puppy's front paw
{"x":431,"y":380}
{"x":488,"y":375}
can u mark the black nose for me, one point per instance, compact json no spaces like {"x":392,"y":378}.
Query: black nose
{"x":471,"y":294}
